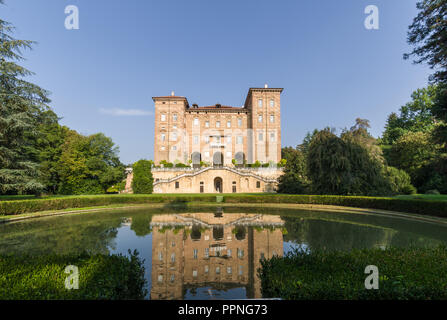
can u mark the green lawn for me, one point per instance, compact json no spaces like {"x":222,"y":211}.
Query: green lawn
{"x":437,"y":197}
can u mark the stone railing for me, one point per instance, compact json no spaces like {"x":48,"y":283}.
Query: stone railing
{"x":241,"y":169}
{"x":190,"y":172}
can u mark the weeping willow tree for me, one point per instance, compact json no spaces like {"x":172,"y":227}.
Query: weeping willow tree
{"x":20,"y":104}
{"x":352,"y":164}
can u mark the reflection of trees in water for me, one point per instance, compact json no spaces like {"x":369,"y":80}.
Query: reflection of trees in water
{"x":345,"y":231}
{"x":91,"y":232}
{"x":335,"y":235}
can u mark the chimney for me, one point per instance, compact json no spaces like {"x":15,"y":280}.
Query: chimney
{"x":266,"y":86}
{"x":172,"y":93}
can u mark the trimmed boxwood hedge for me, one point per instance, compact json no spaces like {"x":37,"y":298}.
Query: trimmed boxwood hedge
{"x":404,"y":274}
{"x":104,"y":277}
{"x":424,"y":207}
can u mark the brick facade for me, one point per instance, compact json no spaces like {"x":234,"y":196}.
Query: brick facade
{"x":217,"y":134}
{"x":209,"y":250}
{"x":216,"y":142}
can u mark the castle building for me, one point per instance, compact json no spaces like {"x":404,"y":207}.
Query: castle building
{"x":218,"y":134}
{"x":216,"y":251}
{"x":209,"y":149}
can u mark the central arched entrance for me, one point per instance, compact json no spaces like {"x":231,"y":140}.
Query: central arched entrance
{"x":218,"y":185}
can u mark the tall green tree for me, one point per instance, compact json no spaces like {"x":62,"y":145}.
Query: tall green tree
{"x":409,"y":141}
{"x":20,"y":104}
{"x":352,"y":164}
{"x":88,"y":164}
{"x":428,"y":36}
{"x":50,"y":140}
{"x":294,"y":179}
{"x":415,"y":116}
{"x":142,"y":181}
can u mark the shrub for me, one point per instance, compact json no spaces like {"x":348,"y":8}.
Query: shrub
{"x":399,"y":180}
{"x":142,"y":181}
{"x":100,"y":277}
{"x":436,"y":192}
{"x":412,"y":273}
{"x":181,"y":165}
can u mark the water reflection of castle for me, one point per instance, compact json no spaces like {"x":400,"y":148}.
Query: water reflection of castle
{"x":220,"y":251}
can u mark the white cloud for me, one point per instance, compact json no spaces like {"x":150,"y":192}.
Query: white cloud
{"x":125,"y":112}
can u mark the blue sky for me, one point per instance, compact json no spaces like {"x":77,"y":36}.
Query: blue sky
{"x":331,"y":67}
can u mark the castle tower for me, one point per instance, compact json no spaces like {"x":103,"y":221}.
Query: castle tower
{"x":170,"y":142}
{"x":264,"y":138}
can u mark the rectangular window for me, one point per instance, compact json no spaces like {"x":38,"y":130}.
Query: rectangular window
{"x":194,"y":273}
{"x":174,"y":117}
{"x":196,"y":139}
{"x":260,"y":118}
{"x":239,"y":122}
{"x":207,"y":253}
{"x":272,"y":137}
{"x":217,"y":124}
{"x":163,"y":117}
{"x":207,"y":139}
{"x":234,"y":189}
{"x":173,"y":257}
{"x":195,"y":251}
{"x":240,"y":253}
{"x":229,"y":252}
{"x":174,"y":136}
{"x":201,"y":189}
{"x":172,"y":277}
{"x":217,"y":270}
{"x":196,"y":121}
{"x":160,"y":278}
{"x":239,"y":139}
{"x":160,"y":256}
{"x":228,"y":124}
{"x":229,"y":270}
{"x":272,"y":118}
{"x":174,"y":148}
{"x":177,"y":185}
{"x":228,"y":139}
{"x":207,"y":124}
{"x":163,"y":137}
{"x":260,"y":103}
{"x":258,"y":184}
{"x":207,"y":269}
{"x":217,"y":139}
{"x":241,"y":270}
{"x":260,"y":136}
{"x":272,"y":103}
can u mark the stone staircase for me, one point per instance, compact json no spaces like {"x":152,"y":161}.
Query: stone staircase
{"x":200,"y":171}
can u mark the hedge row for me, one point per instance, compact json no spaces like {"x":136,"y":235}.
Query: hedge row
{"x":36,"y":205}
{"x":104,"y":277}
{"x":424,"y":207}
{"x":404,"y":274}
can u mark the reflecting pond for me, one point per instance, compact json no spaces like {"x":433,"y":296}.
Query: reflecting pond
{"x":209,"y":252}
